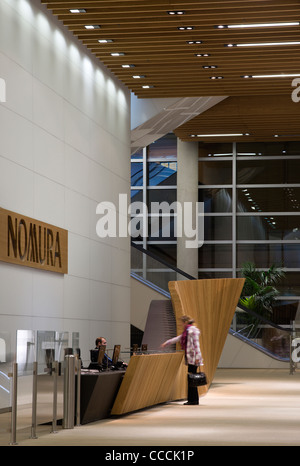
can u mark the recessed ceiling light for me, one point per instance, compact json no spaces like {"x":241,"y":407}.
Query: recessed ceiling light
{"x":257,"y":25}
{"x":117,"y":54}
{"x":217,"y":135}
{"x":202,"y":54}
{"x":128,"y":66}
{"x":176,"y":12}
{"x":209,"y":67}
{"x":185,"y":28}
{"x":147,"y":86}
{"x":138,"y":76}
{"x":286,"y":135}
{"x":264,"y":44}
{"x":78,"y":10}
{"x":91,"y":26}
{"x":193,"y":42}
{"x":216,"y":77}
{"x":105,"y":41}
{"x":282,"y":75}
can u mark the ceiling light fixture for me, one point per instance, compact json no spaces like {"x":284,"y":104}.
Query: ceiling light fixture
{"x":216,"y":77}
{"x":117,"y":54}
{"x":128,"y":66}
{"x":282,"y":75}
{"x":91,"y":26}
{"x":185,"y":28}
{"x":176,"y":12}
{"x":147,"y":86}
{"x":286,"y":135}
{"x":263,"y":44}
{"x":257,"y":25}
{"x":194,"y":42}
{"x":202,"y":54}
{"x":138,"y":76}
{"x":218,"y":135}
{"x":78,"y":10}
{"x":105,"y":41}
{"x":209,"y":67}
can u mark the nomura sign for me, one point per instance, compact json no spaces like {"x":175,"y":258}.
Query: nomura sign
{"x":31,"y":243}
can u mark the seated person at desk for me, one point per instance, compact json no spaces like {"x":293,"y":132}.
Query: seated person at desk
{"x":107,"y":362}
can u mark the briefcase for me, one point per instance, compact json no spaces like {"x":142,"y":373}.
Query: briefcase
{"x":197,"y":380}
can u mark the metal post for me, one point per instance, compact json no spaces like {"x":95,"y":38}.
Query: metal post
{"x":55,"y":376}
{"x":13,"y":439}
{"x":69,"y":392}
{"x":292,"y":337}
{"x":78,"y":392}
{"x":34,"y":401}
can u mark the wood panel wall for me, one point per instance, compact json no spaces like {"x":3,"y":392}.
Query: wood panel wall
{"x":212,"y":304}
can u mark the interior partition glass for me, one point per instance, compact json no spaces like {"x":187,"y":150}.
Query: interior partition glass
{"x":212,"y":172}
{"x":280,"y":199}
{"x":216,"y":199}
{"x":268,"y":171}
{"x":5,"y":370}
{"x":251,"y":194}
{"x":268,"y":227}
{"x":264,"y":255}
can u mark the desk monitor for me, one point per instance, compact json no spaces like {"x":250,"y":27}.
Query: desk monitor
{"x":135,"y":348}
{"x":101,"y":354}
{"x":116,"y":354}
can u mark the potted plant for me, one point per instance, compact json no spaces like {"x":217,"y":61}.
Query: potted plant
{"x":259,"y":293}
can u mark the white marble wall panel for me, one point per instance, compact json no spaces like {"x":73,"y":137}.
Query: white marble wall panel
{"x":64,"y":147}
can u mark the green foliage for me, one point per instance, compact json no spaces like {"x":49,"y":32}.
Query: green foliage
{"x":259,"y":292}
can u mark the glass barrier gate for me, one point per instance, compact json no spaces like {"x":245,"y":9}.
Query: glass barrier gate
{"x":37,"y":382}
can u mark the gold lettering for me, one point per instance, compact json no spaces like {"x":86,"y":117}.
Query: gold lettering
{"x":32,"y":254}
{"x":12,"y":236}
{"x":42,"y":259}
{"x":50,"y":247}
{"x":22,"y":254}
{"x":57,"y":250}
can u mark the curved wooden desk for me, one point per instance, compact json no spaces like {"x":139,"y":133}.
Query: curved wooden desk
{"x":156,"y":378}
{"x":150,"y":379}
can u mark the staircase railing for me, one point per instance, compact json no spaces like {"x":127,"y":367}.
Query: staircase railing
{"x":253,"y":329}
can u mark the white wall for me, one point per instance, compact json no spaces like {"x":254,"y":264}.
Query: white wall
{"x":64,"y":147}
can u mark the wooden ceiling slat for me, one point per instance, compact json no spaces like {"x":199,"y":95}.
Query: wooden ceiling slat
{"x":151,"y":5}
{"x":262,"y":117}
{"x":151,"y":41}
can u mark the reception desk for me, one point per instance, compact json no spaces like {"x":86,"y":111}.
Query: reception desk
{"x":98,"y":393}
{"x":150,"y":379}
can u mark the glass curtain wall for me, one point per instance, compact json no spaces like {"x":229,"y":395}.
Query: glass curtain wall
{"x":154,"y":179}
{"x":251,"y":194}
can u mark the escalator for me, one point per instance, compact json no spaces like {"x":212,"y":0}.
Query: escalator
{"x":262,"y":334}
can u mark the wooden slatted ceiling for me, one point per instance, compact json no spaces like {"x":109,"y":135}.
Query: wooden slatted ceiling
{"x":150,"y":40}
{"x":262,"y":117}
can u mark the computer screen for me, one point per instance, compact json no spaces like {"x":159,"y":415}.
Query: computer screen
{"x":101,"y":354}
{"x":116,"y":353}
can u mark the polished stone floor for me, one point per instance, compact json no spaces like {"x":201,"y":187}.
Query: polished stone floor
{"x":242,"y":408}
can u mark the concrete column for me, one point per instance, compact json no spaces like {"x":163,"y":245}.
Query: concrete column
{"x":187,"y":191}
